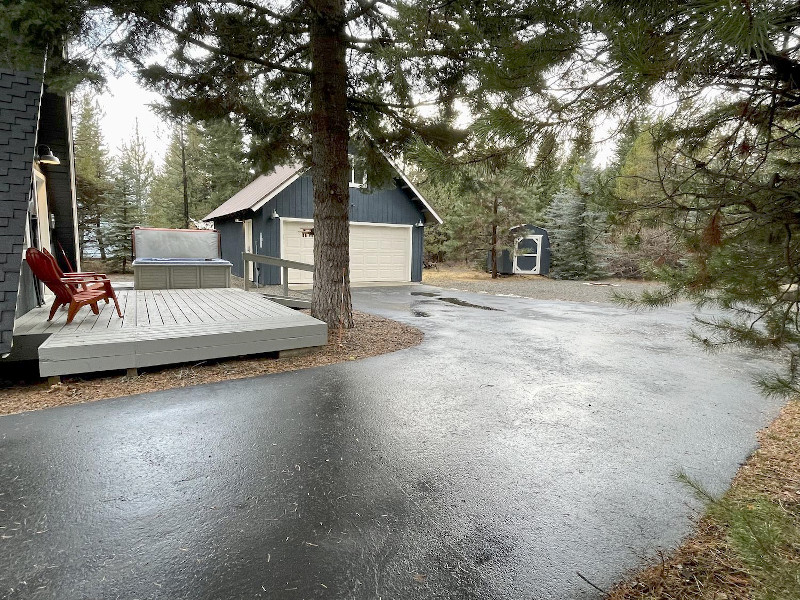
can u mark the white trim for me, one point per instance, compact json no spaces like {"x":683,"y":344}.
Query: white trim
{"x":537,"y":269}
{"x":247,"y":224}
{"x":351,"y":160}
{"x":298,"y":219}
{"x":421,"y":198}
{"x":73,"y":186}
{"x":280,"y":243}
{"x":257,"y":206}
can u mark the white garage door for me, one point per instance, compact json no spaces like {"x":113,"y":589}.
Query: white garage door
{"x":377,"y":252}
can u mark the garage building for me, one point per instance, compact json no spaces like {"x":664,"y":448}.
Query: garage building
{"x":273,"y":216}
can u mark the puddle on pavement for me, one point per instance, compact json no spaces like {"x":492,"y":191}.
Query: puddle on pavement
{"x":419,"y":313}
{"x":459,"y":302}
{"x":428,"y":294}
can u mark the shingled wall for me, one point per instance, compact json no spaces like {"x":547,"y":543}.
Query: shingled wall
{"x":20,"y":95}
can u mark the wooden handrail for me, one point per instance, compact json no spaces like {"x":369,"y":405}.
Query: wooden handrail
{"x":285,"y":265}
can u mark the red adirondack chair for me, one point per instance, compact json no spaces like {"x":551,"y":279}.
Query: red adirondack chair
{"x":75,"y":291}
{"x":96,"y":278}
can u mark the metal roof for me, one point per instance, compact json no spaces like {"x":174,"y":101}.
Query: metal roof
{"x":258,"y":192}
{"x":20,"y":94}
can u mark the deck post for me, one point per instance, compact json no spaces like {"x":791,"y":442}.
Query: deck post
{"x":285,"y":265}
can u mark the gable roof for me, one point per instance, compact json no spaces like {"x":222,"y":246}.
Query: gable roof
{"x":265,"y":187}
{"x":258,"y":192}
{"x":426,"y":207}
{"x":20,"y":95}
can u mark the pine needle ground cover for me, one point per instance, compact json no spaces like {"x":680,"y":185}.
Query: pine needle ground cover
{"x":747,"y":544}
{"x":372,"y":335}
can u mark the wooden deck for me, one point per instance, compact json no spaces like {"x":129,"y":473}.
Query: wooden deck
{"x":164,"y":327}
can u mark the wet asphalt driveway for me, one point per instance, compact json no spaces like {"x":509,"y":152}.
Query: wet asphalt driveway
{"x":512,"y":450}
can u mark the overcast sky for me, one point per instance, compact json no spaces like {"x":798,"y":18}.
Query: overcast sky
{"x":123,"y":103}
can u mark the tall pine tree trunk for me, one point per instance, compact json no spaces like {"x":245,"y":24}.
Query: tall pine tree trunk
{"x":330,"y":299}
{"x":185,"y":181}
{"x":98,"y":236}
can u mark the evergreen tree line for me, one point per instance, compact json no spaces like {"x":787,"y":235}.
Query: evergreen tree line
{"x":204,"y":165}
{"x":577,"y":202}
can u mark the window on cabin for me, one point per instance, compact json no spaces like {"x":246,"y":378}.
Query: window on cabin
{"x":358,"y":171}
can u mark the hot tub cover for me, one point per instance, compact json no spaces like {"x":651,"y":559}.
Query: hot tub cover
{"x":175,"y":243}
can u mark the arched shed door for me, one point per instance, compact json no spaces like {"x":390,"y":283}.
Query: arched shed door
{"x":528,"y":255}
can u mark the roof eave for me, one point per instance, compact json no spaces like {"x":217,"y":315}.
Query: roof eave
{"x":258,"y":204}
{"x":289,"y":181}
{"x":428,"y":209}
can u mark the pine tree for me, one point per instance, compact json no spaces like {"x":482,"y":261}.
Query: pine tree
{"x":216,"y":168}
{"x":93,"y":176}
{"x":479,"y":205}
{"x":166,"y":207}
{"x":133,"y":179}
{"x":577,"y":229}
{"x":300,"y":76}
{"x":547,"y":169}
{"x":223,"y":159}
{"x":641,"y":241}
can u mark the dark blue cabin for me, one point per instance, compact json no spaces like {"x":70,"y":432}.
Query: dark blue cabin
{"x":37,"y":191}
{"x":273,"y":216}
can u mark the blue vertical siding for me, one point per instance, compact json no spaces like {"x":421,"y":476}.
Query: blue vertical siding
{"x":417,"y":238}
{"x":231,"y":236}
{"x":267,"y":242}
{"x":389,"y":205}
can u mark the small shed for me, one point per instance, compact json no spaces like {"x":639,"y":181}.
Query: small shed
{"x":530,"y":254}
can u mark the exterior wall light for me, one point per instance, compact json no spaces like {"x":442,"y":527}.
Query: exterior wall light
{"x":45,"y":156}
{"x":275,"y":214}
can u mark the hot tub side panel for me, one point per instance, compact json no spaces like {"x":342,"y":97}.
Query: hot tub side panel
{"x":181,"y":276}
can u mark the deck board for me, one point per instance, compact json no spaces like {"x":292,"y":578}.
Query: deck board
{"x":200,"y":312}
{"x":232,"y":305}
{"x":104,"y":319}
{"x":258,"y":308}
{"x":176,"y":310}
{"x":142,"y":318}
{"x":165,"y":327}
{"x":236,"y":304}
{"x":128,"y":313}
{"x":184,"y":307}
{"x":164,"y":308}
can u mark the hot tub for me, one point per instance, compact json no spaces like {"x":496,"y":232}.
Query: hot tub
{"x":172,"y":273}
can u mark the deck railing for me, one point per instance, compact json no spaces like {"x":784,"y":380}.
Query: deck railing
{"x":285,"y":265}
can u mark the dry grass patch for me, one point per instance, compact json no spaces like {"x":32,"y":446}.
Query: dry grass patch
{"x":448,"y":273}
{"x":747,"y":545}
{"x":371,"y":336}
